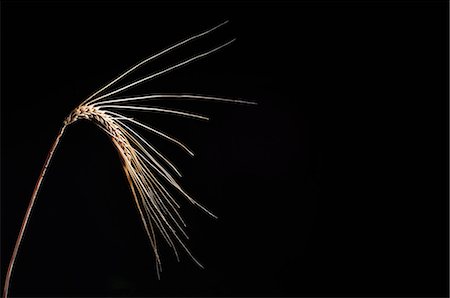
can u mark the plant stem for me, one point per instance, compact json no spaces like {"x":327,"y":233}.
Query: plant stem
{"x":28,"y":212}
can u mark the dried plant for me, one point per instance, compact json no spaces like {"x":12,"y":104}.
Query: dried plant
{"x":148,"y":171}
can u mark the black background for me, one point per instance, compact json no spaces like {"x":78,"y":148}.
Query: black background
{"x":336,"y":184}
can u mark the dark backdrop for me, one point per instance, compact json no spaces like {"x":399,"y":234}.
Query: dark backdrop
{"x":336,"y":184}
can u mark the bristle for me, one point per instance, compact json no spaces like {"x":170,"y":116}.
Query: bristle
{"x":155,"y":203}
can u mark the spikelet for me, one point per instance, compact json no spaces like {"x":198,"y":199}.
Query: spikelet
{"x":157,"y":207}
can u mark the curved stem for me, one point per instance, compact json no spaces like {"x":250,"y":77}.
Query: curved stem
{"x":28,"y":212}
